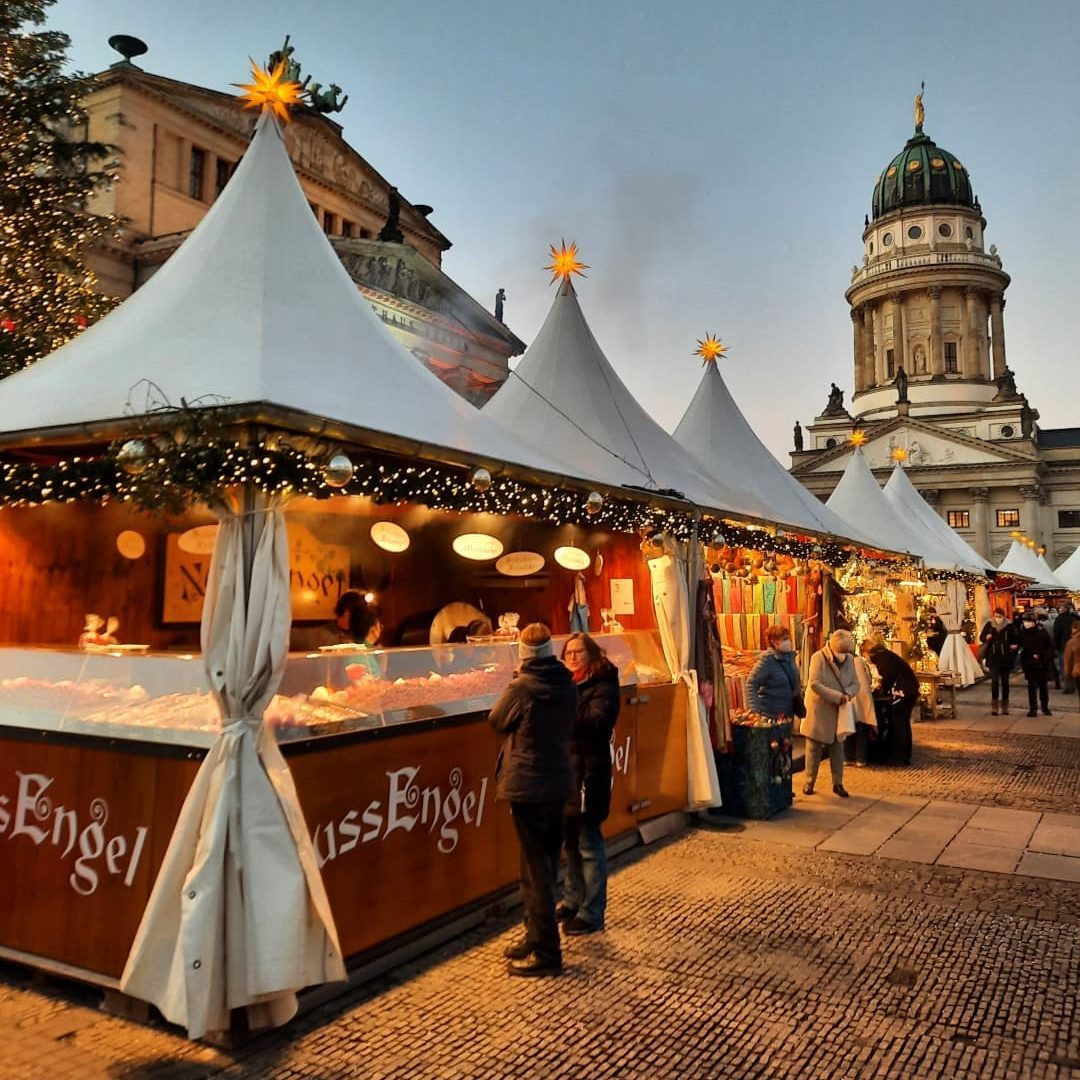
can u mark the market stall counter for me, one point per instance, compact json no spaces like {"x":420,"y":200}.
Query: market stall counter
{"x":390,"y":751}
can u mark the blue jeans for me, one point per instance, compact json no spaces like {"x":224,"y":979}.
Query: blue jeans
{"x":585,"y":887}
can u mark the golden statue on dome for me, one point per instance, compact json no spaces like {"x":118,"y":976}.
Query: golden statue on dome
{"x":920,"y":112}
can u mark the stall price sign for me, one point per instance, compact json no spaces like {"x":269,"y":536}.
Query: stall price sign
{"x":622,"y":596}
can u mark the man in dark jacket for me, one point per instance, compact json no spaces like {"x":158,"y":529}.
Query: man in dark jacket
{"x":1066,"y":620}
{"x":1037,"y":661}
{"x":900,"y":687}
{"x":533,"y":774}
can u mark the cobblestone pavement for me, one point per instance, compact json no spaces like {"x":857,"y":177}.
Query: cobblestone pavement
{"x":726,"y":956}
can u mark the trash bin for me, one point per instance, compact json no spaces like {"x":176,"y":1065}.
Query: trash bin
{"x":755,"y":779}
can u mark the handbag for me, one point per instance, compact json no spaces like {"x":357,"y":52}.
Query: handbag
{"x":845,"y":720}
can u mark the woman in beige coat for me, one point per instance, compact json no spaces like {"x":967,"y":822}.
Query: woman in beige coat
{"x":833,"y":682}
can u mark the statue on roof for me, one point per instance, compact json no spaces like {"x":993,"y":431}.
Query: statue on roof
{"x":836,"y":401}
{"x":326,"y":101}
{"x":1006,"y":386}
{"x":391,"y":232}
{"x":798,"y":437}
{"x":1027,"y":418}
{"x":901,"y":384}
{"x":284,"y":55}
{"x":920,"y":112}
{"x":500,"y":299}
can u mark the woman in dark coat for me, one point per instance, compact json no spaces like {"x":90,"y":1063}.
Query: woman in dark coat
{"x":585,"y":888}
{"x":900,"y":687}
{"x":1037,"y":657}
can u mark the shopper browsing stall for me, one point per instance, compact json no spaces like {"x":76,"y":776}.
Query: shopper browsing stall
{"x":534,"y":716}
{"x":1000,"y":643}
{"x":585,"y":889}
{"x":774,"y":688}
{"x":900,"y":687}
{"x":834,"y":684}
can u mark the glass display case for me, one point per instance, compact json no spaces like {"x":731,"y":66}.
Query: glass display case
{"x":165,"y":698}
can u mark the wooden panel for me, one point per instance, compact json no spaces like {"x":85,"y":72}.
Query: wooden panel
{"x":661,"y":749}
{"x":624,"y":768}
{"x":83,"y":832}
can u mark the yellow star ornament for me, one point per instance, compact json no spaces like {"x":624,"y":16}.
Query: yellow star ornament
{"x":565,"y":262}
{"x":899,"y":455}
{"x":270,"y":90}
{"x":710,"y":349}
{"x":858,"y":438}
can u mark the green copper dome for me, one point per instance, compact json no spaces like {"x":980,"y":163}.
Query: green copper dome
{"x":922,"y":174}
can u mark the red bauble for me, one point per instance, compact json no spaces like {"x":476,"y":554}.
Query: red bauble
{"x":8,"y":325}
{"x":81,"y":322}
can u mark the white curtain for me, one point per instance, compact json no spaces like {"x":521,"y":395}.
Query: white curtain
{"x":955,"y":656}
{"x":238,"y":916}
{"x":669,"y":574}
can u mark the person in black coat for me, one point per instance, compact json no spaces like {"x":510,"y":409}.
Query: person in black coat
{"x":1000,"y":643}
{"x":900,"y":687}
{"x":533,"y":774}
{"x":585,"y":889}
{"x":938,"y":635}
{"x":1063,"y":624}
{"x":1037,"y":662}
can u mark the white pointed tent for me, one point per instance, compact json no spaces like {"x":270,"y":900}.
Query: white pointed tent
{"x":1068,"y":573}
{"x":857,"y":497}
{"x":909,"y":504}
{"x":254,"y":307}
{"x":1022,"y":561}
{"x":715,"y":431}
{"x":565,"y":398}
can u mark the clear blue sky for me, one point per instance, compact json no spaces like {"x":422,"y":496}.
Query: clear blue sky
{"x":713,"y":159}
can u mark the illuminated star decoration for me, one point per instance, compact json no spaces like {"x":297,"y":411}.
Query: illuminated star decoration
{"x":858,"y":438}
{"x":565,"y":263}
{"x":710,"y":349}
{"x":270,"y":90}
{"x":899,"y":455}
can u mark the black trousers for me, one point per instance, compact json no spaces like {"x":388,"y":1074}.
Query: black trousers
{"x":900,"y":730}
{"x":539,"y":829}
{"x":1038,"y":685}
{"x":999,"y":681}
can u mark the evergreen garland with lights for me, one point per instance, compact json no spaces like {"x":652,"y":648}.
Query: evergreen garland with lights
{"x":48,"y":173}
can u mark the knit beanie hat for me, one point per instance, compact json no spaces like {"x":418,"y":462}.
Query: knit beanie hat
{"x":535,"y":642}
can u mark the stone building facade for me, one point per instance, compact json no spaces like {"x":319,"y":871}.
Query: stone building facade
{"x":932,"y":382}
{"x":177,"y":146}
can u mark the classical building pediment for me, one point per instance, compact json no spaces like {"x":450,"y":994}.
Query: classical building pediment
{"x":926,"y":444}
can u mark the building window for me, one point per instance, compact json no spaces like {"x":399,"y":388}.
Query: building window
{"x":197,"y":172}
{"x":1008,"y":519}
{"x":365,"y":234}
{"x":887,"y":239}
{"x":890,"y":363}
{"x":1007,"y":431}
{"x":950,"y":358}
{"x":328,"y":223}
{"x":830,"y":444}
{"x":347,"y":228}
{"x":944,"y":229}
{"x":1069,"y":519}
{"x":969,"y":233}
{"x":958,"y":519}
{"x":915,"y":232}
{"x":221,"y":175}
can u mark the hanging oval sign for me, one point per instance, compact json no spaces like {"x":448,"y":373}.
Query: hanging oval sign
{"x":198,"y":541}
{"x":477,"y":546}
{"x":389,"y":537}
{"x":520,"y":564}
{"x":572,"y":558}
{"x":131,"y":544}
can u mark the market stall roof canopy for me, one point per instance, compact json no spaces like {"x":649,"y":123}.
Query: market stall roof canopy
{"x":910,"y":505}
{"x":715,"y":431}
{"x":1023,"y":562}
{"x":565,"y":397}
{"x":1068,"y":573}
{"x":254,"y":307}
{"x":857,"y":497}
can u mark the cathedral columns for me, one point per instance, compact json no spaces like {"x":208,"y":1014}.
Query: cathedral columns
{"x":857,"y":341}
{"x":899,"y":353}
{"x":868,"y":361}
{"x":997,"y":332}
{"x":879,"y":348}
{"x":937,"y":346}
{"x":972,"y":365}
{"x":980,"y":520}
{"x":1030,"y":515}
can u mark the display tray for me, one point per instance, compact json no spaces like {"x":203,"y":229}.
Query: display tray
{"x":164,"y":698}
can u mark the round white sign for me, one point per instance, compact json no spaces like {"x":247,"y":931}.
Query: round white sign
{"x":389,"y":537}
{"x":572,"y":558}
{"x":131,"y":544}
{"x":477,"y":546}
{"x":520,"y":564}
{"x":198,"y":541}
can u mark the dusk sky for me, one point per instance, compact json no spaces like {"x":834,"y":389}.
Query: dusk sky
{"x":712,"y":160}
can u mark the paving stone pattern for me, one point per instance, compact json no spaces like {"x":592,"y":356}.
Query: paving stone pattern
{"x":726,"y":956}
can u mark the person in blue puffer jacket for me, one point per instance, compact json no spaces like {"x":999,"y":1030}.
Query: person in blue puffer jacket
{"x":774,"y":687}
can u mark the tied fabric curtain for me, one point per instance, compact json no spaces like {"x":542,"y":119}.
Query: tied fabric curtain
{"x":955,"y":655}
{"x":669,"y":575}
{"x":239,"y":916}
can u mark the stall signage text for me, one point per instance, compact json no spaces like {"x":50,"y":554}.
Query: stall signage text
{"x":410,"y":803}
{"x":65,"y":830}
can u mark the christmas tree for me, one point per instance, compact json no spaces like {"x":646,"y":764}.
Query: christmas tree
{"x":48,"y":171}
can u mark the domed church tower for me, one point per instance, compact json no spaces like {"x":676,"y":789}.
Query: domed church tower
{"x":928,"y":299}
